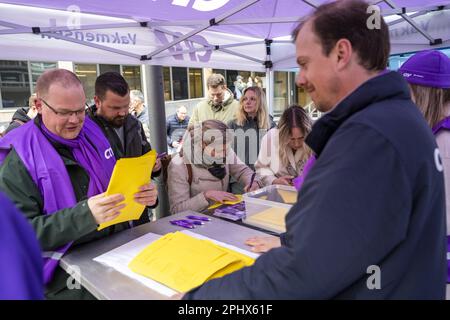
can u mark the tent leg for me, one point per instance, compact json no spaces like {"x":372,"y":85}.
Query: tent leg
{"x":152,"y":79}
{"x":269,"y":90}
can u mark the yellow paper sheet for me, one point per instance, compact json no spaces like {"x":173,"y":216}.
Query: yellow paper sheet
{"x":182,"y":262}
{"x":272,"y":218}
{"x":288,"y":196}
{"x":128,"y":175}
{"x":218,"y":204}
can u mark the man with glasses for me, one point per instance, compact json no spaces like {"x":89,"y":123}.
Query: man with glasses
{"x":124,"y":132}
{"x":220,"y":104}
{"x":56,"y":169}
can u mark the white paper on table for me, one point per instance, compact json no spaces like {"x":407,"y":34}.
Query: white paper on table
{"x":120,"y":257}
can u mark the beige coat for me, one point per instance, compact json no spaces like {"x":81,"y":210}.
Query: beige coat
{"x":443,"y":142}
{"x":269,"y":166}
{"x":183,"y":196}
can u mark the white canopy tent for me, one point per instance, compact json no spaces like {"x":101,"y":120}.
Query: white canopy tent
{"x":251,"y":35}
{"x":229,"y":34}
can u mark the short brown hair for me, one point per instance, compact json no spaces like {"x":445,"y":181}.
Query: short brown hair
{"x":347,"y":19}
{"x":113,"y":82}
{"x":63,"y":77}
{"x":215,"y":80}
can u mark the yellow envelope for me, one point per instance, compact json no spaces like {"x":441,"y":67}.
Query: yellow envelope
{"x":128,"y":175}
{"x":288,"y":196}
{"x":182,"y":262}
{"x":218,"y":204}
{"x":272,"y":219}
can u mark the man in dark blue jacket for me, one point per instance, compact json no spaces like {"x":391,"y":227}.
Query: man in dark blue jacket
{"x":176,"y":125}
{"x":370,"y":220}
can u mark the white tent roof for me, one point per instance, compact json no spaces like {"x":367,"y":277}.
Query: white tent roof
{"x":229,"y":34}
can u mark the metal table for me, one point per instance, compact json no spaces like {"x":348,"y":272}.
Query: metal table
{"x":107,"y":283}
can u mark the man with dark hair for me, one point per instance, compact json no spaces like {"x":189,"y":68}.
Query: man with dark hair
{"x":220,"y":104}
{"x":370,"y":218}
{"x":123,"y":131}
{"x":56,"y":169}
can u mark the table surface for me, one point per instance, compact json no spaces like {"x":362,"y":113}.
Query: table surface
{"x":106,"y":283}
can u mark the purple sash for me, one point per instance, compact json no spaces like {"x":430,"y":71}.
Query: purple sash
{"x":298,"y":182}
{"x":90,"y":149}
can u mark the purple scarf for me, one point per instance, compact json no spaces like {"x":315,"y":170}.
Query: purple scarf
{"x":91,"y":150}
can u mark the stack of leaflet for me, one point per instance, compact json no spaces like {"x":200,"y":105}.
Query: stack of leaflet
{"x":182,"y":262}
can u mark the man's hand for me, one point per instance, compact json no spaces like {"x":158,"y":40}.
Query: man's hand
{"x":147,"y":195}
{"x":105,"y":208}
{"x":263,"y":244}
{"x":219,"y":196}
{"x":157,"y":165}
{"x":284,"y":180}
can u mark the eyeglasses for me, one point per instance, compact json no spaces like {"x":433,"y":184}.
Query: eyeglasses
{"x":64,"y":114}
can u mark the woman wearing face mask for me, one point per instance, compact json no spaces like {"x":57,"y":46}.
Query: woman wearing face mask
{"x":251,"y":124}
{"x":428,"y":75}
{"x":199,"y":175}
{"x":283,"y":152}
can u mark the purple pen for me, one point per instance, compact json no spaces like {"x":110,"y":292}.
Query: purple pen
{"x":182,"y":223}
{"x":196,"y":222}
{"x":198,"y":218}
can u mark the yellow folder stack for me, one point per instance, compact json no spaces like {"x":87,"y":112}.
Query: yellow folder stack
{"x":182,"y":262}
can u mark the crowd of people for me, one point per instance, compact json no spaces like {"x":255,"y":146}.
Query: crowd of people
{"x":374,"y":169}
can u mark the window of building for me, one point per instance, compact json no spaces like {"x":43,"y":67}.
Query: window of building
{"x":109,"y":68}
{"x":14,"y":84}
{"x":38,"y":68}
{"x":132,"y":75}
{"x":87,"y":73}
{"x":179,"y":83}
{"x":280,"y":94}
{"x":167,"y":84}
{"x":195,"y":83}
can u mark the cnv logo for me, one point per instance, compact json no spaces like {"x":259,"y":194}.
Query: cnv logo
{"x":202,"y":56}
{"x":201,"y":5}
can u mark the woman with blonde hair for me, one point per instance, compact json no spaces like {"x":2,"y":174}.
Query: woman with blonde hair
{"x":199,"y":174}
{"x":283,"y":152}
{"x":251,"y":124}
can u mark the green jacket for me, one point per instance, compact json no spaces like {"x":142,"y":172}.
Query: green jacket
{"x":72,"y":224}
{"x":203,"y":111}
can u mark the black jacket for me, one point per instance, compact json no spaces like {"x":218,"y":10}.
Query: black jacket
{"x":246,"y":147}
{"x":136,"y":143}
{"x":374,"y":199}
{"x":175,"y":128}
{"x":19,"y":118}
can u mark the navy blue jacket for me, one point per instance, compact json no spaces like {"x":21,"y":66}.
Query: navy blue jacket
{"x":175,"y":128}
{"x":374,"y":199}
